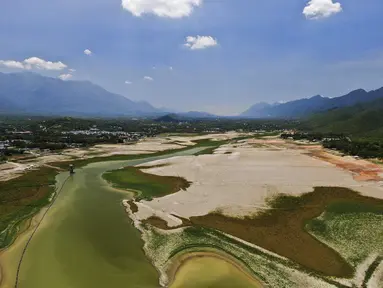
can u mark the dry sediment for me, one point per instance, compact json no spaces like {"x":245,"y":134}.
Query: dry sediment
{"x":238,"y":184}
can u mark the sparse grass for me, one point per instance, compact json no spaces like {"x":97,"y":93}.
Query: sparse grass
{"x":149,"y":185}
{"x":164,"y":248}
{"x":356,"y":236}
{"x":22,"y":197}
{"x":282,"y":229}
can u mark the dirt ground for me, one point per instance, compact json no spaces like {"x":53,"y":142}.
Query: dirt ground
{"x":239,"y":178}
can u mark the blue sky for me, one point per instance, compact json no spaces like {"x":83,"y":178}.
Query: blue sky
{"x":250,"y":50}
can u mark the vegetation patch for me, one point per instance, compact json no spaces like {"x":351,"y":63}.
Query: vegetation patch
{"x":21,"y":198}
{"x":133,"y":206}
{"x":370,"y":271}
{"x":355,"y":207}
{"x":211,"y":146}
{"x":143,"y":167}
{"x":355,"y":236}
{"x":149,"y":185}
{"x":282,"y":229}
{"x":164,"y":248}
{"x":207,"y":151}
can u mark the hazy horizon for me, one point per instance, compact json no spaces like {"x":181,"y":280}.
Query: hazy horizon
{"x":201,"y":55}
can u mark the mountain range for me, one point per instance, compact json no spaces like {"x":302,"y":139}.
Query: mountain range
{"x":34,"y":94}
{"x":304,"y":107}
{"x":30,"y":93}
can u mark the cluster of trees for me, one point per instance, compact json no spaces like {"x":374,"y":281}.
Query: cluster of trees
{"x":366,"y":148}
{"x":362,"y":148}
{"x":221,"y":125}
{"x":3,"y":158}
{"x":313,"y":136}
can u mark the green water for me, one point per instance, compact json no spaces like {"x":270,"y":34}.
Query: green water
{"x":87,"y":239}
{"x":211,"y":272}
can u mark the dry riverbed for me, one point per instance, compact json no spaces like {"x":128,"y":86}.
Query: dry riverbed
{"x":238,"y":182}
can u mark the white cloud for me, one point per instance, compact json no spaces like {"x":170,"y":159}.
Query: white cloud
{"x":161,"y":8}
{"x":317,"y":9}
{"x":34,"y":63}
{"x":65,"y":76}
{"x":200,"y":42}
{"x":148,"y":78}
{"x":12,"y":64}
{"x":128,"y":82}
{"x":72,"y":70}
{"x":171,"y":68}
{"x":88,"y":52}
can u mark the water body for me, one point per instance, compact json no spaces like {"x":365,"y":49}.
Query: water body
{"x":212,"y":272}
{"x":86,"y":239}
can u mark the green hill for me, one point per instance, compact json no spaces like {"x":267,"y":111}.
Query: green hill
{"x":361,"y":121}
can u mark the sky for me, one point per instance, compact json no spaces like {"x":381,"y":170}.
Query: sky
{"x":219,"y":56}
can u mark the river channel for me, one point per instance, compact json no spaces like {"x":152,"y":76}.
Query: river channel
{"x":86,"y":238}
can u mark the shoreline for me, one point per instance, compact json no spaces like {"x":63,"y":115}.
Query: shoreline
{"x":21,"y":239}
{"x":8,"y":258}
{"x":179,"y":261}
{"x":18,"y":244}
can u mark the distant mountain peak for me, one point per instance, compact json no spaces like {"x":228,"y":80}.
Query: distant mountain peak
{"x":169,"y":118}
{"x":317,"y":97}
{"x":303,"y":107}
{"x":41,"y":95}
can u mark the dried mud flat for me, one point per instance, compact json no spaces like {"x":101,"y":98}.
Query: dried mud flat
{"x":232,"y":187}
{"x":239,"y":183}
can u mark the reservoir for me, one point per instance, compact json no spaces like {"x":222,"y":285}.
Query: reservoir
{"x":88,"y":240}
{"x":206,"y":270}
